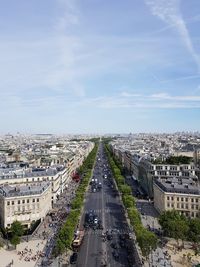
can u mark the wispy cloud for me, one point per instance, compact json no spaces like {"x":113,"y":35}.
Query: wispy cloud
{"x":166,"y":96}
{"x":126,"y":100}
{"x":190,"y":77}
{"x":169,"y":12}
{"x":70,"y":15}
{"x":126,"y":94}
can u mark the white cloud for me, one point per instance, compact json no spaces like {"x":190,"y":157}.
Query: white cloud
{"x":126,"y":94}
{"x":169,"y":12}
{"x":165,"y":96}
{"x":135,"y":101}
{"x":70,"y":15}
{"x":190,"y":77}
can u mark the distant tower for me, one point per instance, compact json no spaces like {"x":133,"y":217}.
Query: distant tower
{"x":16,"y":156}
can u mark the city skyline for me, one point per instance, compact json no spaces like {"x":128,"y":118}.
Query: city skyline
{"x":100,"y":66}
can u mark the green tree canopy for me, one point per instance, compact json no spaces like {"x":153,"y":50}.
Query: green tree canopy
{"x":17,"y":228}
{"x":174,"y":225}
{"x":15,"y":240}
{"x":194,"y":230}
{"x":147,"y":241}
{"x":129,"y":201}
{"x":125,"y":189}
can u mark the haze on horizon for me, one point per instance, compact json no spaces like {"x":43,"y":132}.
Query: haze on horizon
{"x":72,"y":66}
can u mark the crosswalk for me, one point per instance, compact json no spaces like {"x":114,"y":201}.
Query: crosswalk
{"x":115,"y":231}
{"x":107,"y":210}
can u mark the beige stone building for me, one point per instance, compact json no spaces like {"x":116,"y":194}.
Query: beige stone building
{"x":57,"y":176}
{"x":181,"y":194}
{"x":26,"y":204}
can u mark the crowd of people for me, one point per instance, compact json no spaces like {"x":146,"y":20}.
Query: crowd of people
{"x":29,"y":255}
{"x":56,"y":218}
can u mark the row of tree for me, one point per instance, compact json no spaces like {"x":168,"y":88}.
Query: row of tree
{"x":66,"y":233}
{"x":180,"y":227}
{"x":145,"y":238}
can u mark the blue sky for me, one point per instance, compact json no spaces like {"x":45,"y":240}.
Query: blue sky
{"x":99,"y":66}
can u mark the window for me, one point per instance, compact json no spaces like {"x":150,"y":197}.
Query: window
{"x":186,"y":206}
{"x":27,"y":179}
{"x":186,"y":199}
{"x":167,"y":198}
{"x":168,"y":205}
{"x":18,"y":201}
{"x":27,"y":200}
{"x":177,"y":198}
{"x":172,"y":198}
{"x":178,"y":205}
{"x":38,"y":200}
{"x":197,"y":207}
{"x":172,"y":205}
{"x":23,"y":201}
{"x":8,"y":203}
{"x":38,"y":178}
{"x":13,"y":202}
{"x":182,"y":199}
{"x":192,"y":206}
{"x":192,"y":199}
{"x":182,"y":206}
{"x":197,"y":200}
{"x":33,"y":200}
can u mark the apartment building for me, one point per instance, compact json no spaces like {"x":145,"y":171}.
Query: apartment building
{"x":181,"y":194}
{"x":24,"y":203}
{"x":57,"y":176}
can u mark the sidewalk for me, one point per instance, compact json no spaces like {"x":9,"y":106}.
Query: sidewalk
{"x":26,"y":254}
{"x":31,"y":253}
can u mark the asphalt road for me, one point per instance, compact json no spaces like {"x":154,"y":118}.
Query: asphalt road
{"x":94,"y":251}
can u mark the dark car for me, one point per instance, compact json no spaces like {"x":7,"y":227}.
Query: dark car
{"x":114,"y":245}
{"x":122,"y":243}
{"x":73,"y":258}
{"x":100,"y":226}
{"x":115,"y":254}
{"x":109,"y":236}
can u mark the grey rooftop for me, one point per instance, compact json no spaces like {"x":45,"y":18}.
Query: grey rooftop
{"x":23,"y":190}
{"x":179,"y":185}
{"x":37,"y":172}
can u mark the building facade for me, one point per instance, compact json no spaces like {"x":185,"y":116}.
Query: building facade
{"x":26,"y":204}
{"x":180,"y":194}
